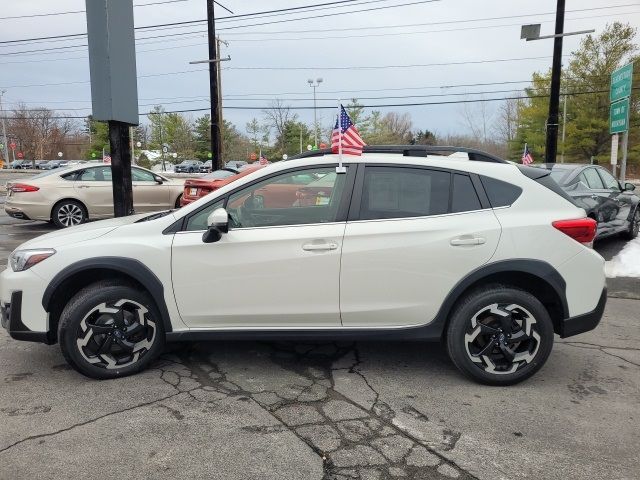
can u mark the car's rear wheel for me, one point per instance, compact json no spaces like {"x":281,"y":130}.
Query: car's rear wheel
{"x":499,"y":335}
{"x":110,"y":330}
{"x":178,"y":200}
{"x":68,"y":213}
{"x":634,"y":226}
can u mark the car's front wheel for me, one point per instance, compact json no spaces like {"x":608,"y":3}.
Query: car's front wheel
{"x":110,"y":330}
{"x":68,"y":213}
{"x":499,"y":335}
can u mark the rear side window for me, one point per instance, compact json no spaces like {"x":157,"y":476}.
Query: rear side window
{"x":395,"y":192}
{"x":501,"y":194}
{"x":464,"y":197}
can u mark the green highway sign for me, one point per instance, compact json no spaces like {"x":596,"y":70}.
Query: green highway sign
{"x":621,"y":81}
{"x":619,"y":116}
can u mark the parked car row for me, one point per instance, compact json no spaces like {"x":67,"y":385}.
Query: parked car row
{"x":44,"y":164}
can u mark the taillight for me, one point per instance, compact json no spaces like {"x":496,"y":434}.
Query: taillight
{"x":22,"y":187}
{"x":582,"y":230}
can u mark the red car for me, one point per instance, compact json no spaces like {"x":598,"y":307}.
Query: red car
{"x":195,"y":188}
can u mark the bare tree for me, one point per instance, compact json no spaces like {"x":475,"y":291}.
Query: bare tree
{"x":278,"y":116}
{"x":477,"y":119}
{"x":39,"y":133}
{"x":506,"y":125}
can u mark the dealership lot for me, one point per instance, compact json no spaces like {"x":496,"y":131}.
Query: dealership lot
{"x":294,"y":410}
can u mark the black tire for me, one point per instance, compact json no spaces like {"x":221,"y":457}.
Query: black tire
{"x":634,"y":226}
{"x":178,"y":201}
{"x":499,"y":308}
{"x":68,"y":213}
{"x":108,"y":309}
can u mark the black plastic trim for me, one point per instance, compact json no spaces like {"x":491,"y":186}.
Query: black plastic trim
{"x":431,"y":331}
{"x":19,"y":330}
{"x":128,"y":266}
{"x":413,"y":151}
{"x":583,"y":323}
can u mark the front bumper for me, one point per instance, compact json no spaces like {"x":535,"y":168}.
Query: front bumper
{"x":585,"y":322}
{"x":11,"y":321}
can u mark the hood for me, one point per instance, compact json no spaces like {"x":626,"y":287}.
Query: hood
{"x":81,"y":233}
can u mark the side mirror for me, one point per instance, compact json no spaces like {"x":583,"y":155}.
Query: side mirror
{"x":158,"y":179}
{"x":629,"y":186}
{"x":218,"y":223}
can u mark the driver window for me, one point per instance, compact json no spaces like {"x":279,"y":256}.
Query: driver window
{"x":138,"y":175}
{"x":293,"y":198}
{"x":199,"y":220}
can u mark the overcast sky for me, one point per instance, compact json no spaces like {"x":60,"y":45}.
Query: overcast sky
{"x":444,"y":31}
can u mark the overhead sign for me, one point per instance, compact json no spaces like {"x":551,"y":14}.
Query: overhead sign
{"x":112,"y":60}
{"x":621,"y":81}
{"x":619,"y":116}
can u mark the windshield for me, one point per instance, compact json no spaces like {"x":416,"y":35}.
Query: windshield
{"x":219,"y":174}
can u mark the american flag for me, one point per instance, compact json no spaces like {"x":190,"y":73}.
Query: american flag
{"x":262,"y":160}
{"x":106,"y":158}
{"x":527,"y":158}
{"x":346,"y":135}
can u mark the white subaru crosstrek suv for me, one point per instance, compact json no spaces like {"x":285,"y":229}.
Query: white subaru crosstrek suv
{"x":411,"y":243}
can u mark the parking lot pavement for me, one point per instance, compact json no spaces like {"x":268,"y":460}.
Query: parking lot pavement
{"x":320,"y":411}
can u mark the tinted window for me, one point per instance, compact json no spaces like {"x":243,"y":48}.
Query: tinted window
{"x":609,"y":181}
{"x":465,"y":197}
{"x":97,"y":174}
{"x":593,"y":179}
{"x":138,"y":175}
{"x":199,"y":220}
{"x":501,"y":194}
{"x":281,"y":201}
{"x":395,"y":192}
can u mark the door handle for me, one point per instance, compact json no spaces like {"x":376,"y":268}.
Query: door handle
{"x":457,"y":242}
{"x":595,"y":197}
{"x":83,"y":186}
{"x":314,"y":247}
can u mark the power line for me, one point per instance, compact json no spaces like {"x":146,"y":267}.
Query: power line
{"x":388,"y":105}
{"x":74,"y":12}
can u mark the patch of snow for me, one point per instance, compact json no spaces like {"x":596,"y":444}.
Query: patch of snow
{"x":626,"y":263}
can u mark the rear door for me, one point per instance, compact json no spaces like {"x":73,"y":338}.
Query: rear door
{"x":606,"y":210}
{"x":412,"y":234}
{"x":94,"y":188}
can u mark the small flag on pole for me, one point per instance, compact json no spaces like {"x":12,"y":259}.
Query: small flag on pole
{"x":345,"y":137}
{"x":106,"y":158}
{"x":527,"y":158}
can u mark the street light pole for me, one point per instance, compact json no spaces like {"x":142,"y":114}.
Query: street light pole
{"x":315,"y":110}
{"x":4,"y":130}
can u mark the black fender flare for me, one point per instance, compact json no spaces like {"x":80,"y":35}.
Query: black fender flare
{"x":128,"y":266}
{"x":538,"y":268}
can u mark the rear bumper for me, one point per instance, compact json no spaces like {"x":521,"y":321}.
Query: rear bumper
{"x":11,"y":321}
{"x":585,"y":322}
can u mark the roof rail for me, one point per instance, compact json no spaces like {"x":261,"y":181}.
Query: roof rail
{"x":413,"y":151}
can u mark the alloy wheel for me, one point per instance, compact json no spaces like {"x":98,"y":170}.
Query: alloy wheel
{"x":502,"y":338}
{"x":116,"y":335}
{"x":635,"y":227}
{"x":70,"y":214}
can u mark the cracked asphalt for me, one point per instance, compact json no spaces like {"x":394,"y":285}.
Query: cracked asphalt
{"x":262,"y":410}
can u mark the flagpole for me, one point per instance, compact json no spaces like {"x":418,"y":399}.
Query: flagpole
{"x":340,"y":168}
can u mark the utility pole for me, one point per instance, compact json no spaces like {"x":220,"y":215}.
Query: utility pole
{"x":4,"y":130}
{"x":564,"y":125}
{"x":216,"y":137}
{"x":315,"y":115}
{"x":220,"y":121}
{"x":551,"y":149}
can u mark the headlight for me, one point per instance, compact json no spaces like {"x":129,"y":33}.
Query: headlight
{"x":24,"y":259}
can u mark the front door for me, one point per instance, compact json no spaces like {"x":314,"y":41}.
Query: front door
{"x":277,"y":267}
{"x":409,"y":245}
{"x":148,"y":195}
{"x":621,"y":201}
